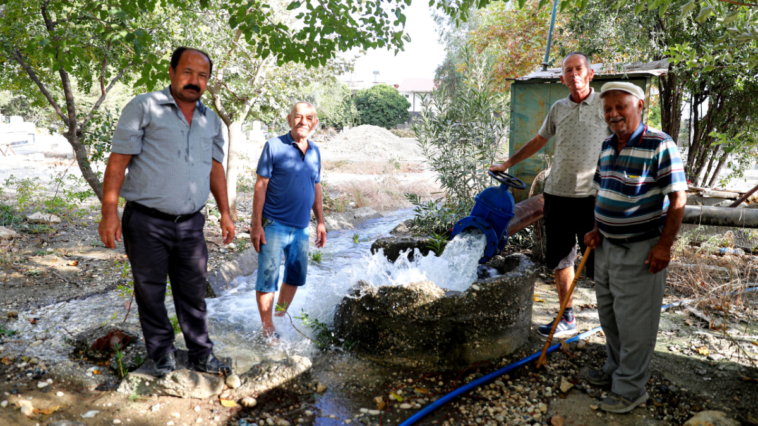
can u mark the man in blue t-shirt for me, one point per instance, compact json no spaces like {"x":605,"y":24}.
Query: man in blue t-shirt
{"x":288,"y":186}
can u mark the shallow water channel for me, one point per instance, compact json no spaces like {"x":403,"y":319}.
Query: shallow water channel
{"x":233,"y":316}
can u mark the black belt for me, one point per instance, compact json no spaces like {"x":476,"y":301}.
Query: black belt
{"x":159,"y":214}
{"x":637,"y":238}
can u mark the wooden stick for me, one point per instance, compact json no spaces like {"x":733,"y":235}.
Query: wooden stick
{"x":563,"y":305}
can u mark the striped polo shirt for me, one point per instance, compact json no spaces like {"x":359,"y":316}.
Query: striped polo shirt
{"x":632,"y":185}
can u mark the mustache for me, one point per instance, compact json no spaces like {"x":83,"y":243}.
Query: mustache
{"x":191,"y":87}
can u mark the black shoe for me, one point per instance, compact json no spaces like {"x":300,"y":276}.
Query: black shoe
{"x":210,"y":364}
{"x":164,"y":365}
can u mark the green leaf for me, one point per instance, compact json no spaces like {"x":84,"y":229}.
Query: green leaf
{"x":687,"y":8}
{"x":728,"y":19}
{"x":293,"y":5}
{"x":662,"y":10}
{"x":640,"y":7}
{"x":704,"y":14}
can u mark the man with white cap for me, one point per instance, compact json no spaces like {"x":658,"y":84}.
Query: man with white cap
{"x":577,"y":124}
{"x":638,"y":211}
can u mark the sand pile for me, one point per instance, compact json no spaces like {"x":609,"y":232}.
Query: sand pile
{"x":370,"y":143}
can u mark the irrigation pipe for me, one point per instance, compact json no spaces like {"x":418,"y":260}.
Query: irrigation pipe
{"x":520,"y":363}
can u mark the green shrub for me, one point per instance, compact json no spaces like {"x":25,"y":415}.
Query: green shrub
{"x":459,"y":136}
{"x":382,"y":106}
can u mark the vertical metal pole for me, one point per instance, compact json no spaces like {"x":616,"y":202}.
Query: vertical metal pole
{"x":550,"y":36}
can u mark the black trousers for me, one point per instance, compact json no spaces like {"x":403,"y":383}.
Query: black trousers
{"x":157,"y":248}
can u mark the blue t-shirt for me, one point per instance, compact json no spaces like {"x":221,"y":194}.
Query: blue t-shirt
{"x":293,"y":176}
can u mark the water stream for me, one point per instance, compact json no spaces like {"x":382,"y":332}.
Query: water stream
{"x":233,"y":317}
{"x":234,"y":320}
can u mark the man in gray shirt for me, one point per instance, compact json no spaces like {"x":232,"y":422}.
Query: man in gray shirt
{"x":172,"y":146}
{"x":579,"y":128}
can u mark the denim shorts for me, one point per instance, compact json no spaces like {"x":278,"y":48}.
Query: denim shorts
{"x":294,"y":243}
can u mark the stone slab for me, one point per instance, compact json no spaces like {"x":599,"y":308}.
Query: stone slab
{"x":243,"y":265}
{"x":350,"y":219}
{"x":182,"y":383}
{"x":270,"y":374}
{"x":7,"y":233}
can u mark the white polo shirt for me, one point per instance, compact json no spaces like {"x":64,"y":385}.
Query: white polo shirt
{"x":579,"y":131}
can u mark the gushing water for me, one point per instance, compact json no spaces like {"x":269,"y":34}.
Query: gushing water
{"x":233,"y":317}
{"x":345,"y":263}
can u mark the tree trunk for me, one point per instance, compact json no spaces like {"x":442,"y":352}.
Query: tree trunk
{"x":717,"y":172}
{"x":671,"y":105}
{"x":236,"y":138}
{"x":84,"y":165}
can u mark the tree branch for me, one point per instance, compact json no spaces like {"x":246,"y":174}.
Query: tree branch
{"x":102,"y":97}
{"x":740,"y":3}
{"x":102,"y":69}
{"x":33,"y":76}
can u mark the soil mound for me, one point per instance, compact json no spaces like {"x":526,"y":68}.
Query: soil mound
{"x":371,"y":143}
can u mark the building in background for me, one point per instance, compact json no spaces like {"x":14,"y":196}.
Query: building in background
{"x":413,"y":89}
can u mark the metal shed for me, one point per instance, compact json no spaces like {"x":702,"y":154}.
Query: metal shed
{"x":534,"y":94}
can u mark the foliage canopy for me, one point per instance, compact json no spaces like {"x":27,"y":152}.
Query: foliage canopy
{"x":382,"y":106}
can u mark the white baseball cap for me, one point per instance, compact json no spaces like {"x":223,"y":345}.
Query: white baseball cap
{"x":630,"y":88}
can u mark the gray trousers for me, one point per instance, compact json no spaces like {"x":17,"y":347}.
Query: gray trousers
{"x":629,"y":305}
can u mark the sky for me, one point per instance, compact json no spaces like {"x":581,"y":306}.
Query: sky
{"x":419,"y":60}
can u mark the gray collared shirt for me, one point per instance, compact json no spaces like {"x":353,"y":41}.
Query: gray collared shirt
{"x":579,"y":130}
{"x":171,"y":165}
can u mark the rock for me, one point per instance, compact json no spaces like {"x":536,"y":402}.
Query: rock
{"x":233,"y":381}
{"x":90,"y":414}
{"x":308,"y":412}
{"x":711,"y":418}
{"x":499,"y":383}
{"x":557,"y":421}
{"x":282,"y":422}
{"x":350,"y":219}
{"x":175,"y":415}
{"x":374,"y":412}
{"x":7,"y":233}
{"x":581,"y":345}
{"x":27,"y":410}
{"x":248,"y":402}
{"x":393,"y":246}
{"x":182,"y":383}
{"x":423,"y":325}
{"x":41,"y":385}
{"x":543,"y":407}
{"x":116,"y":421}
{"x":519,"y":388}
{"x":270,"y":374}
{"x":594,"y":407}
{"x":4,"y":404}
{"x":47,"y":219}
{"x":565,"y":385}
{"x":320,"y":388}
{"x":59,"y":394}
{"x":405,"y":406}
{"x":67,"y":423}
{"x":12,"y":314}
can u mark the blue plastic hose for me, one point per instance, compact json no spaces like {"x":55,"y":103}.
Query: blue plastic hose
{"x":482,"y":380}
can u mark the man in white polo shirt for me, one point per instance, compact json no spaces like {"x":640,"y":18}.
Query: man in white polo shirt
{"x":579,"y":128}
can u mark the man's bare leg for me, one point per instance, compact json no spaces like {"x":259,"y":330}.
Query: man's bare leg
{"x":286,"y":294}
{"x":563,"y":279}
{"x":265,"y":305}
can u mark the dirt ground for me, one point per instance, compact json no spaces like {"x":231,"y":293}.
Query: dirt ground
{"x":703,"y":358}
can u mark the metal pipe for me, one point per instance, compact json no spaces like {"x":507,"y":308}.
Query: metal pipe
{"x":720,"y":216}
{"x":550,"y":36}
{"x":744,"y":197}
{"x":526,"y":213}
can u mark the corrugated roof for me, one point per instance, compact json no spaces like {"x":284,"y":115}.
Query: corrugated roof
{"x":645,"y":68}
{"x":416,"y":85}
